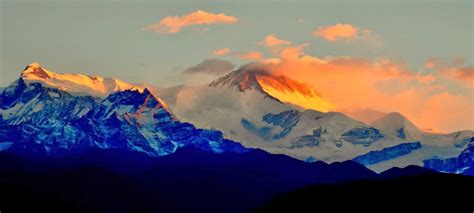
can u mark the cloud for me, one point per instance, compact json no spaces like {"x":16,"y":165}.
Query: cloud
{"x":348,"y":33}
{"x":271,"y":40}
{"x":222,"y":52}
{"x":446,"y":111}
{"x":383,"y":85}
{"x":335,"y":32}
{"x":174,"y":24}
{"x":214,"y":66}
{"x":205,"y":72}
{"x":463,"y":74}
{"x":251,"y":55}
{"x":432,"y":63}
{"x":455,"y":70}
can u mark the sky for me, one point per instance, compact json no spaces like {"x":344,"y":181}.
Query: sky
{"x":413,"y":56}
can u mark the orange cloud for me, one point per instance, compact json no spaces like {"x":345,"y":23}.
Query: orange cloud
{"x":251,"y":55}
{"x":292,"y":53}
{"x":174,"y":24}
{"x":425,"y":79}
{"x":381,"y":85}
{"x":432,"y":63}
{"x":221,"y":52}
{"x":446,"y":112}
{"x":335,"y":32}
{"x":464,"y":74}
{"x":455,"y":70}
{"x":347,"y":32}
{"x":271,"y":40}
{"x":271,"y":61}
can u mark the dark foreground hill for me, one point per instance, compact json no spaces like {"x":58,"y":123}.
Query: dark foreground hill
{"x":193,"y":180}
{"x":190,"y":180}
{"x":429,"y":192}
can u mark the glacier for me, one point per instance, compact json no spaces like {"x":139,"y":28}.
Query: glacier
{"x":388,"y":153}
{"x":462,"y":164}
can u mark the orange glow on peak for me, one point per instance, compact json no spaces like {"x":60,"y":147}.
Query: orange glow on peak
{"x":290,"y":91}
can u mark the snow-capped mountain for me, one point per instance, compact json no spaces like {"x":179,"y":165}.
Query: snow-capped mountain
{"x":280,"y":88}
{"x":53,"y":113}
{"x":40,"y":117}
{"x":364,"y":115}
{"x":75,"y":83}
{"x":239,"y":105}
{"x":461,"y":164}
{"x":415,"y":146}
{"x":395,"y":124}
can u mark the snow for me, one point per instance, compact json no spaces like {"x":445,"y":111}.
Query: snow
{"x":224,"y":106}
{"x":224,"y":110}
{"x":280,"y":88}
{"x":416,"y":157}
{"x":75,"y":83}
{"x":5,"y":145}
{"x":53,"y":94}
{"x":294,"y":93}
{"x":393,"y":123}
{"x":7,"y":113}
{"x":38,"y":107}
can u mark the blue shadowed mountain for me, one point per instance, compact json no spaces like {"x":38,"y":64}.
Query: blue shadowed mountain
{"x":38,"y":118}
{"x":462,"y":164}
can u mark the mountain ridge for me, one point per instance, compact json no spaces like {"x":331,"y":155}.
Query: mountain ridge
{"x":38,"y":113}
{"x":75,"y":83}
{"x":280,"y":88}
{"x":44,"y":119}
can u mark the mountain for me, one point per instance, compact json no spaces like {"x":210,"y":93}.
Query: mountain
{"x":57,"y":114}
{"x":433,"y":146}
{"x":280,"y":88}
{"x":38,"y":117}
{"x":461,"y":164}
{"x":363,"y":114}
{"x":388,"y":153}
{"x":239,"y":105}
{"x":74,"y":83}
{"x":398,"y":125}
{"x":128,"y":152}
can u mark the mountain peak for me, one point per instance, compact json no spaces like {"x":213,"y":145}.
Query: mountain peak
{"x":396,"y":123}
{"x":35,"y":70}
{"x":396,"y":115}
{"x":33,"y":65}
{"x":73,"y":82}
{"x":241,"y":79}
{"x":279,"y":87}
{"x":394,"y":119}
{"x":143,"y":98}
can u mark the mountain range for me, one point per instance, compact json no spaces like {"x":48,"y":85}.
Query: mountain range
{"x":48,"y":112}
{"x":242,"y":105}
{"x":75,"y":143}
